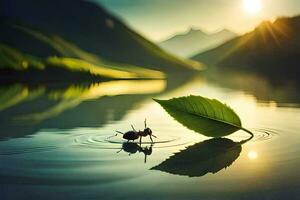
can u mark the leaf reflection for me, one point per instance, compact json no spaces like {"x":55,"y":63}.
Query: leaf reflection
{"x":210,"y":156}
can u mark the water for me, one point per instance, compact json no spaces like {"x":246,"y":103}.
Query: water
{"x":59,"y":142}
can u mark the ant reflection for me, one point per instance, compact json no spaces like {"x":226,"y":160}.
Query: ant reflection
{"x":133,"y":148}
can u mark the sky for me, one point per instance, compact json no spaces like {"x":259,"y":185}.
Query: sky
{"x":160,"y":19}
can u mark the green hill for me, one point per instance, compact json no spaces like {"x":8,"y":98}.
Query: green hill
{"x":16,"y":66}
{"x":272,"y":49}
{"x":63,"y":54}
{"x":87,"y":34}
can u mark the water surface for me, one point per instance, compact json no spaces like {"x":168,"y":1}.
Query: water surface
{"x":59,"y":142}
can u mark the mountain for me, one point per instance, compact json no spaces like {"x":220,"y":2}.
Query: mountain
{"x":83,"y":32}
{"x":195,"y":41}
{"x":26,"y":109}
{"x":272,"y":49}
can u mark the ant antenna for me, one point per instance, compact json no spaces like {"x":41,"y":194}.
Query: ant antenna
{"x":145,"y":123}
{"x":133,"y":127}
{"x":120,"y":132}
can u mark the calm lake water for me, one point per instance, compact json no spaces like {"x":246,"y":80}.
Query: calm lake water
{"x":59,"y":142}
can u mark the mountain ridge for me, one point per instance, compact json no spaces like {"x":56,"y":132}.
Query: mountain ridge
{"x":194,"y":41}
{"x":272,"y":48}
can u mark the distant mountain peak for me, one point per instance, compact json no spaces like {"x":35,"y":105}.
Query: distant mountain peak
{"x":193,"y":30}
{"x":190,"y":32}
{"x":195,"y":40}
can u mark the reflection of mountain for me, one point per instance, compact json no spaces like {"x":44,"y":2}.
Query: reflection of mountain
{"x":31,"y":33}
{"x":272,"y":49}
{"x":74,"y":95}
{"x":25,"y":110}
{"x":195,"y":41}
{"x":265,"y":89}
{"x":209,"y":156}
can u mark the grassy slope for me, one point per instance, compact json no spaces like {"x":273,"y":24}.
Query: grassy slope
{"x":12,"y":59}
{"x":91,"y":29}
{"x":272,"y":48}
{"x":67,"y":56}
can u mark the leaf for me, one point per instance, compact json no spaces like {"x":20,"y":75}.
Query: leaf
{"x":205,"y":116}
{"x":209,"y":156}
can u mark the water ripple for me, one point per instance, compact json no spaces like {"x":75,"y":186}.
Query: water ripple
{"x":263,"y":134}
{"x":106,"y":141}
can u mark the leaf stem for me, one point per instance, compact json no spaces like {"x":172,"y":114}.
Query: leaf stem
{"x":252,"y":135}
{"x":246,"y":130}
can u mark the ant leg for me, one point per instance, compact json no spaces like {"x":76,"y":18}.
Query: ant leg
{"x":145,"y":159}
{"x":119,"y":150}
{"x":140,"y":140}
{"x":151,"y":138}
{"x":145,"y":122}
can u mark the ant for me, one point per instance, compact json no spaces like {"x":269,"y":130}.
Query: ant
{"x":133,"y":135}
{"x":133,"y":148}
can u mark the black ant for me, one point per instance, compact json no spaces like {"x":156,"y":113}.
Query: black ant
{"x":133,"y":148}
{"x":133,"y":135}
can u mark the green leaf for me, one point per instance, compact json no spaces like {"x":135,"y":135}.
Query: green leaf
{"x":209,"y":156}
{"x":205,"y":116}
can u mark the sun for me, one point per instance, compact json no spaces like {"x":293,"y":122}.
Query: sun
{"x":252,"y":6}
